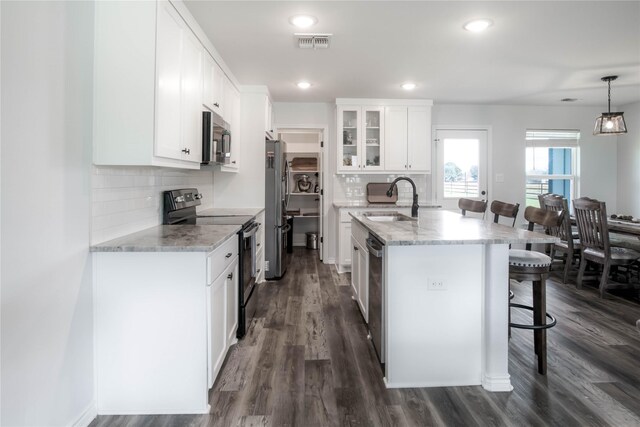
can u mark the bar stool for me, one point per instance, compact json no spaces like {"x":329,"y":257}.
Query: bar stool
{"x":534,"y":266}
{"x":469,"y":205}
{"x":503,"y":209}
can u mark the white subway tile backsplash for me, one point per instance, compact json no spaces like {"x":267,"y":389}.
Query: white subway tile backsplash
{"x":129,"y":199}
{"x":354,"y":187}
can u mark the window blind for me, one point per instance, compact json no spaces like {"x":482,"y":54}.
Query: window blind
{"x":552,"y":138}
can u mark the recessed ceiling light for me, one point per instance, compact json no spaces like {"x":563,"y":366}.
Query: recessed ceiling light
{"x":478,"y":25}
{"x":304,"y":85}
{"x":303,"y":21}
{"x":409,"y":86}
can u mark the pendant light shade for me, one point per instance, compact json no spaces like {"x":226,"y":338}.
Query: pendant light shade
{"x":610,"y":123}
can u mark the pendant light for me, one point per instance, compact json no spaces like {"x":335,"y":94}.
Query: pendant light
{"x":610,"y":123}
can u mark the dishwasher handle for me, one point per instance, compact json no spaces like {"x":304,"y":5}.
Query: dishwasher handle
{"x":374,"y":248}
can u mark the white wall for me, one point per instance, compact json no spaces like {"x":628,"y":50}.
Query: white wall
{"x":47,"y":55}
{"x":629,"y":163}
{"x":598,"y":155}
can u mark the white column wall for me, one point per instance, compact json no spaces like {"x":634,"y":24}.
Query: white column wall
{"x":47,"y":318}
{"x":629,"y":163}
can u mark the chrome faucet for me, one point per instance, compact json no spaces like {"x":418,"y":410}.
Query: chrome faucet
{"x":414,"y":206}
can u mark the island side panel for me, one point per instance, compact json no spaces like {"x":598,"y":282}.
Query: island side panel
{"x":496,"y":320}
{"x":150,"y":332}
{"x":434,"y":337}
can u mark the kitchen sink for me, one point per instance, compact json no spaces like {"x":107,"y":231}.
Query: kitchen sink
{"x":387,"y":217}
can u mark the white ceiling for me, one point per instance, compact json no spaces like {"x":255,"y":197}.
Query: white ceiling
{"x":536,"y":53}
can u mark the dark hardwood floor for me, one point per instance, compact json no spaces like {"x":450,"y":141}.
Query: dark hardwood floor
{"x":307,"y":362}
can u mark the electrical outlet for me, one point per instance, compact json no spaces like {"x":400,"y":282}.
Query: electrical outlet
{"x":434,"y":284}
{"x":266,"y":266}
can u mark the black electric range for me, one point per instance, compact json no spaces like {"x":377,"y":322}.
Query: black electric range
{"x":180,"y":209}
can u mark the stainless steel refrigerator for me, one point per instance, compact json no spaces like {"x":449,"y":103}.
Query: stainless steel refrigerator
{"x":276,"y":202}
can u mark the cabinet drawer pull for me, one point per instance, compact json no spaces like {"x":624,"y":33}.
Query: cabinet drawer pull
{"x":230,"y":276}
{"x":215,"y":104}
{"x":186,"y":150}
{"x":228,"y":255}
{"x":258,"y":245}
{"x":355,"y":248}
{"x":234,"y":162}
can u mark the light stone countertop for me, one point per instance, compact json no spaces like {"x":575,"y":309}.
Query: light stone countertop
{"x":439,"y":227}
{"x":171,"y":238}
{"x":365,"y":204}
{"x":230,"y":211}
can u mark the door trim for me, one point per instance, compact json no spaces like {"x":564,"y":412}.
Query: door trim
{"x":327,"y":183}
{"x":434,"y":157}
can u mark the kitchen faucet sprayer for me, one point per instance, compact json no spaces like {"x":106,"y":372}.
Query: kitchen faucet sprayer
{"x":414,"y":206}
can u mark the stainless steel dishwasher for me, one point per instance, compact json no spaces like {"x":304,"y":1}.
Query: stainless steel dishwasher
{"x":376,"y":297}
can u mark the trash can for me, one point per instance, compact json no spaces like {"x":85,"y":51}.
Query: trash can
{"x":312,"y":240}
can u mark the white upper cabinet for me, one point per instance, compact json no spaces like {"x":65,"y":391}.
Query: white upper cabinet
{"x":179,"y":80}
{"x":150,"y":81}
{"x":268,"y":117}
{"x":395,"y":147}
{"x":392,"y":136}
{"x":361,"y":138}
{"x":419,"y":139}
{"x":407,"y":142}
{"x":232,"y":116}
{"x":213,"y":89}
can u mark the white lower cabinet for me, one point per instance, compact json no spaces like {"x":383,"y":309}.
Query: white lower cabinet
{"x":163,"y":324}
{"x":344,"y":248}
{"x":216,"y":310}
{"x":360,"y":267}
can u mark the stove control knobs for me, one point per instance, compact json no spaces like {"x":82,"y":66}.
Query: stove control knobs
{"x":179,"y":199}
{"x":198,"y":196}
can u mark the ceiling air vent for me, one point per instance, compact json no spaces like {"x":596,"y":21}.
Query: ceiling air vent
{"x":312,"y":41}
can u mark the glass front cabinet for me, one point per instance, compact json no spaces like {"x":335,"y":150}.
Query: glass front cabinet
{"x":360,"y":138}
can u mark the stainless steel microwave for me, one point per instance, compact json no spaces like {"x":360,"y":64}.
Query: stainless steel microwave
{"x":216,"y":139}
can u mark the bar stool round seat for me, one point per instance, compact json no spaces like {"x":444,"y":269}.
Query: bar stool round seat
{"x":527,"y":265}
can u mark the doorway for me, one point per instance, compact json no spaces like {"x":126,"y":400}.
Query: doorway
{"x":461,"y":166}
{"x":305,"y":198}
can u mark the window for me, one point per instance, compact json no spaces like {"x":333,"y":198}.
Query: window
{"x":551,"y":163}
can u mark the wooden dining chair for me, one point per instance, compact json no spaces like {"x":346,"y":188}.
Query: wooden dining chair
{"x":569,"y":247}
{"x":503,"y":209}
{"x":534,"y":266}
{"x":591,"y":217}
{"x":469,"y":205}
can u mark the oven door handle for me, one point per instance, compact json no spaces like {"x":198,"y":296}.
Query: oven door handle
{"x":251,"y":230}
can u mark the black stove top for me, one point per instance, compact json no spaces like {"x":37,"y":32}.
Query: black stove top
{"x":180,"y":208}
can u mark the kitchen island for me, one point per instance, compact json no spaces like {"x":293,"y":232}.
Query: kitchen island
{"x":444,"y":298}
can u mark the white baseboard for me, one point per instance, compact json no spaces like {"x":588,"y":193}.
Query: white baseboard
{"x":329,"y":261}
{"x":88,"y":415}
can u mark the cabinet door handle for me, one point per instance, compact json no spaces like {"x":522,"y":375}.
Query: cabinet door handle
{"x":258,"y":272}
{"x":355,"y":248}
{"x":186,"y":150}
{"x":228,"y":255}
{"x":215,"y":104}
{"x":230,"y":276}
{"x":234,"y":162}
{"x":409,"y":166}
{"x":258,"y":245}
{"x":405,"y":166}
